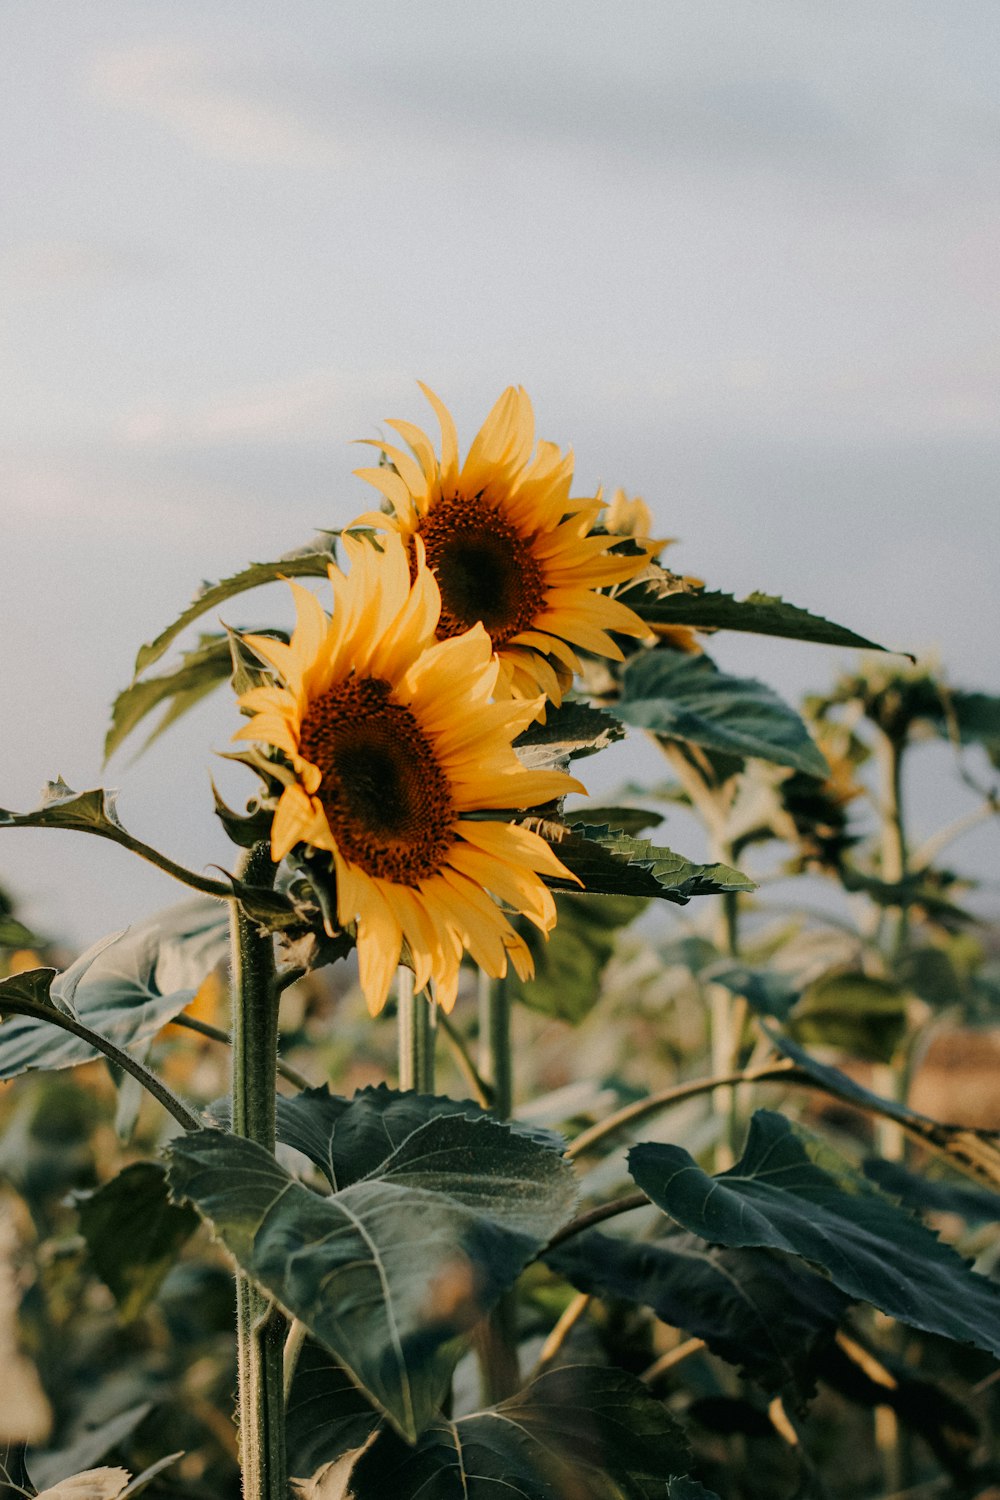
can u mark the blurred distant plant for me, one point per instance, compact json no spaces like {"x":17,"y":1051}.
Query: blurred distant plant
{"x":434,"y":1291}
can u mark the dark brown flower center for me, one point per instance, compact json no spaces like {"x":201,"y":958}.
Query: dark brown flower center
{"x":485,"y":569}
{"x":385,"y":796}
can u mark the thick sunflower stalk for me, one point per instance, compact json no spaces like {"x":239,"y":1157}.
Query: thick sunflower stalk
{"x":389,"y":726}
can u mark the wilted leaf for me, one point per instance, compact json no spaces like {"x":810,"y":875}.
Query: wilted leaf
{"x":133,"y":1233}
{"x":778,"y":1196}
{"x":613,"y":864}
{"x":94,"y":1484}
{"x":392,"y":1272}
{"x":687,"y":698}
{"x":761,"y":1311}
{"x":88,"y":1448}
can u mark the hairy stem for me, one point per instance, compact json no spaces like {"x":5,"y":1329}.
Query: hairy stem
{"x":216,"y":1034}
{"x":498,"y":1360}
{"x":260,"y":1327}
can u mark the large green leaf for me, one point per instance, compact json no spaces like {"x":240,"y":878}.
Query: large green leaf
{"x":351,"y":1138}
{"x":759,"y":1310}
{"x":125,"y":987}
{"x":790,"y":1192}
{"x":610,"y":863}
{"x":390,"y":1273}
{"x":580,"y":1431}
{"x":309,"y":562}
{"x":570,"y":731}
{"x":133,"y":1233}
{"x":568,"y":966}
{"x":687,"y":698}
{"x":760,"y":614}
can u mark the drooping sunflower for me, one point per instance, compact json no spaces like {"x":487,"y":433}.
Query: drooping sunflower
{"x":389,"y":743}
{"x":509,"y":548}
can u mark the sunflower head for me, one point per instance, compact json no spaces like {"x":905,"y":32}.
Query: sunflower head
{"x":391,"y":751}
{"x":511,"y":551}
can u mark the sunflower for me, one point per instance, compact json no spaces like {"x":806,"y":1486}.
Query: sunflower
{"x":391,"y":745}
{"x":509,"y":548}
{"x":633,"y":519}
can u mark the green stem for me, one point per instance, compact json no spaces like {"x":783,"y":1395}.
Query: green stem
{"x":498,"y":1361}
{"x":124,"y":1060}
{"x":416,"y":1024}
{"x":260,"y":1327}
{"x":463,"y":1061}
{"x":216,"y":1034}
{"x":894,"y":852}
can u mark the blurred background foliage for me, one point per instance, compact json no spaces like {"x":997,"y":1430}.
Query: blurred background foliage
{"x":888,"y":972}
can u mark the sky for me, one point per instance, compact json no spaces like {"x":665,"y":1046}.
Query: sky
{"x":742,"y":255}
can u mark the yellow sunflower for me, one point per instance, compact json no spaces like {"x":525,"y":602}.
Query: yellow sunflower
{"x":632,"y":518}
{"x":391,"y":744}
{"x":509,"y":548}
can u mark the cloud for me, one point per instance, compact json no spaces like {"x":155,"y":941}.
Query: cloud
{"x":317,"y":404}
{"x":181,"y":88}
{"x":51,"y":265}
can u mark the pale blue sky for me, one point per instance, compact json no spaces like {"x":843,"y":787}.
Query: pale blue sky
{"x":743,"y":255}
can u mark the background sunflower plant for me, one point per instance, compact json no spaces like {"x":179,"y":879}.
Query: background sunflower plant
{"x":435,"y":1294}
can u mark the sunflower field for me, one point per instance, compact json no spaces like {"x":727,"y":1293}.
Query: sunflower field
{"x":465,"y":1140}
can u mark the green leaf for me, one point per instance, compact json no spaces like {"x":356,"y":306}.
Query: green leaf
{"x":574,"y":729}
{"x":779,"y":1197}
{"x":613,"y":864}
{"x":918,"y":1193}
{"x":568,"y":967}
{"x":14,"y":934}
{"x":351,"y":1138}
{"x":125,"y":987}
{"x":326,"y":1416}
{"x":923,"y":889}
{"x":392,"y":1273}
{"x":767,"y":991}
{"x":61,"y":807}
{"x":580,"y":1431}
{"x":133,"y":1233}
{"x":761,"y":1311}
{"x":310,"y":562}
{"x":199,"y":671}
{"x":859,"y":1013}
{"x":631,"y":820}
{"x":760,"y":614}
{"x":687,"y":698}
{"x":683,"y":1487}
